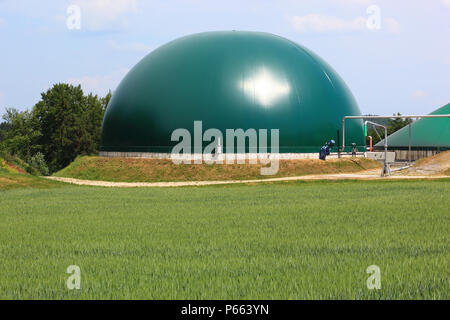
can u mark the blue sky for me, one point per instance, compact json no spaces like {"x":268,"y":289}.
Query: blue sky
{"x":404,"y":65}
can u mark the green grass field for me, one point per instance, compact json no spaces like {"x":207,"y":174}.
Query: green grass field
{"x":297,"y":240}
{"x":12,"y":180}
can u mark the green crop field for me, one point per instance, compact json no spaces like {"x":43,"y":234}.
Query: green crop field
{"x":297,"y":240}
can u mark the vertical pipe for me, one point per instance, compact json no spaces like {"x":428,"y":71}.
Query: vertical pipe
{"x":409,"y":146}
{"x":338,"y":144}
{"x":385,"y":152}
{"x":343,"y":134}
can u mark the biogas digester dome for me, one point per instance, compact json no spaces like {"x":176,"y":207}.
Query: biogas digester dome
{"x":230,"y":80}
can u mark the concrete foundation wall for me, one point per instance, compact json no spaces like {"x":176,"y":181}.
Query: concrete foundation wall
{"x":152,"y":155}
{"x":403,"y":155}
{"x":247,"y":156}
{"x":379,"y":156}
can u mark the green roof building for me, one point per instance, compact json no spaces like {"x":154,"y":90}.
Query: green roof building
{"x":426,"y":134}
{"x":230,"y":80}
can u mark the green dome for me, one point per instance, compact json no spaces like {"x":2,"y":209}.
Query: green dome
{"x":230,"y":80}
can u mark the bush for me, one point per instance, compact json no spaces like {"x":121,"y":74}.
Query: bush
{"x":38,"y":162}
{"x":29,"y":169}
{"x":2,"y":165}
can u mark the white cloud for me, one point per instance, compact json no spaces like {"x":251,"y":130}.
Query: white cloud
{"x":446,"y":3}
{"x":419,"y":94}
{"x":322,"y":23}
{"x":98,"y":15}
{"x":98,"y":84}
{"x":353,"y":2}
{"x":392,"y":25}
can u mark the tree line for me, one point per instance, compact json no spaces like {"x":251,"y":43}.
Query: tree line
{"x":65,"y":123}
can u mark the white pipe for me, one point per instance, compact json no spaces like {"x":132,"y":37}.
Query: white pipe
{"x":385,"y":165}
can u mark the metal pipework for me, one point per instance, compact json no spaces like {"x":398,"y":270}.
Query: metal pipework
{"x":387,"y":117}
{"x":386,"y":170}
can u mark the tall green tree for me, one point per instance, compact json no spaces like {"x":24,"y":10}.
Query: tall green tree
{"x":70,"y":123}
{"x":105,"y":100}
{"x":21,"y":135}
{"x":65,"y":123}
{"x":4,"y":128}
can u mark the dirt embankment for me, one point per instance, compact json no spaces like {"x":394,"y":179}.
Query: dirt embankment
{"x":159,"y":170}
{"x":438,"y":164}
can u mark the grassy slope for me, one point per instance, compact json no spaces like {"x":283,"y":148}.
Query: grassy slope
{"x":13,"y":176}
{"x":283,"y":240}
{"x":11,"y":180}
{"x":148,"y":170}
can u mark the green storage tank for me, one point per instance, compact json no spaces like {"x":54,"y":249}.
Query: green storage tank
{"x":426,"y":134}
{"x":230,"y":80}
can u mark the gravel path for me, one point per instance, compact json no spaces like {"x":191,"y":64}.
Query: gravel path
{"x":367,"y":175}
